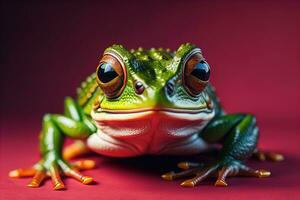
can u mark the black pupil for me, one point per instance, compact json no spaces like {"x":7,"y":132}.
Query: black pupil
{"x":106,"y":73}
{"x":139,"y":87}
{"x":201,"y":71}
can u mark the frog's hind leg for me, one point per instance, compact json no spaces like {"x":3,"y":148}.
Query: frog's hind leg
{"x":267,"y":156}
{"x":78,"y":148}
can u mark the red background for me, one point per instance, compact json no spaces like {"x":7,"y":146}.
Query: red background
{"x":47,"y":48}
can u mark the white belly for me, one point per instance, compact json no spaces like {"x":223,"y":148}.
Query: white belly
{"x":150,"y":132}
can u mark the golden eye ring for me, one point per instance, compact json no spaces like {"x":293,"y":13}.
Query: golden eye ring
{"x":195,"y":72}
{"x":111,"y":75}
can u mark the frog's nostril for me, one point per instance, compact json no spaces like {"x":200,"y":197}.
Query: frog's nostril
{"x":170,"y":87}
{"x":139,"y":87}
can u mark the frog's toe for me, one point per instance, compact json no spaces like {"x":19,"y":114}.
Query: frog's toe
{"x":200,"y":176}
{"x":37,"y":179}
{"x":177,"y":175}
{"x":229,"y":170}
{"x":259,"y":173}
{"x":68,"y":171}
{"x":38,"y":176}
{"x":20,"y":173}
{"x":84,"y":165}
{"x":200,"y":173}
{"x":72,"y":171}
{"x":189,"y":165}
{"x":221,"y":170}
{"x":55,"y":170}
{"x":55,"y":176}
{"x":78,"y":148}
{"x":239,"y":170}
{"x":264,"y":155}
{"x":222,"y":174}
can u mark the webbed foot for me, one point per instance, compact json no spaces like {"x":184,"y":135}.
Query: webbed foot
{"x":54,"y":170}
{"x":221,"y":170}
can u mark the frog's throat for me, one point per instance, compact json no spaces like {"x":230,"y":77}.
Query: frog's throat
{"x":125,"y":115}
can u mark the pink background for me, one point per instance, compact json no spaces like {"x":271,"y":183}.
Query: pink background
{"x":47,"y":48}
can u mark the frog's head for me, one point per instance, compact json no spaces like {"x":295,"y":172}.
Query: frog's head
{"x":156,"y":80}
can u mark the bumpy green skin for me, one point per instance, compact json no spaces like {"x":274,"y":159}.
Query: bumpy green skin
{"x":238,"y":132}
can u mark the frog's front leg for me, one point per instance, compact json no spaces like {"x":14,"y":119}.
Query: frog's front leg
{"x":238,"y":133}
{"x":55,"y":127}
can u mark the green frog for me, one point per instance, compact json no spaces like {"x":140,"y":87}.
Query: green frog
{"x":148,"y":102}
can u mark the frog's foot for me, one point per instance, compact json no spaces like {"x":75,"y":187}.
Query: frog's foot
{"x":264,"y":155}
{"x":221,"y":171}
{"x":54,"y":170}
{"x":78,"y":148}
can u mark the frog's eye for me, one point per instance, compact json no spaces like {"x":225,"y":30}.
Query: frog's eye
{"x":111,"y":75}
{"x":196,"y":73}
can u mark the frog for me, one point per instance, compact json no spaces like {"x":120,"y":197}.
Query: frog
{"x":148,"y":102}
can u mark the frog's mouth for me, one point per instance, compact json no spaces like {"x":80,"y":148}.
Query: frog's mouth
{"x":121,"y":115}
{"x":146,"y":131}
